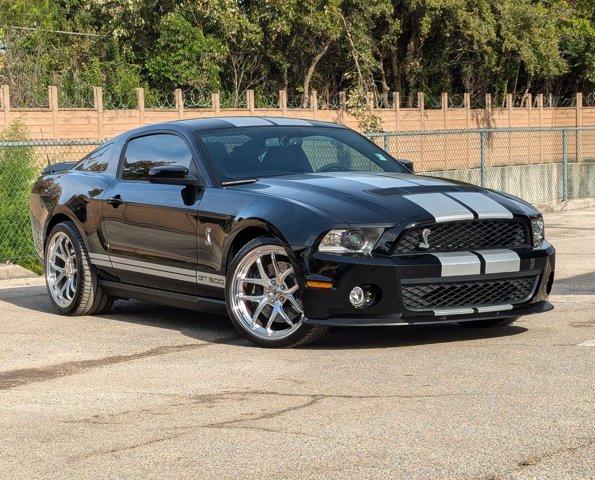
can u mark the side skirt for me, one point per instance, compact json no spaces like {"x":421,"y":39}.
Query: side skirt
{"x":181,"y":300}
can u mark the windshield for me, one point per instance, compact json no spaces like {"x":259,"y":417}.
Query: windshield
{"x":256,"y":152}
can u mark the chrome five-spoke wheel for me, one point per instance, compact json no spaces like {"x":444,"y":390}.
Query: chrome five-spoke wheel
{"x":61,"y":269}
{"x":265,"y":293}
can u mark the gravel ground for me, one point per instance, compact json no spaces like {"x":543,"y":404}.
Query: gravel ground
{"x":155,"y":392}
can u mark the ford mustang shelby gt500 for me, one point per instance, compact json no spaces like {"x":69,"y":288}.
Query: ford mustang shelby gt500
{"x":291,"y":226}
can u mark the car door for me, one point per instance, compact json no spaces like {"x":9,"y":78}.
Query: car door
{"x":151,"y":228}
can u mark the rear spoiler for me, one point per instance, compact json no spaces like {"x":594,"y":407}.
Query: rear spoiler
{"x":58,"y":167}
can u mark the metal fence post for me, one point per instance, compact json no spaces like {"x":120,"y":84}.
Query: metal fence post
{"x":386,"y":144}
{"x":482,"y":156}
{"x":564,"y":165}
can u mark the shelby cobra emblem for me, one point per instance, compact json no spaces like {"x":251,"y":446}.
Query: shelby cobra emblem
{"x":289,"y":226}
{"x":425,"y":236}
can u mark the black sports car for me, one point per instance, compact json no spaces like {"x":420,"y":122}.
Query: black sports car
{"x":292,"y":226}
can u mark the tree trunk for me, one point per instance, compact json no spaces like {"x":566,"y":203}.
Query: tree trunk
{"x":310,"y":72}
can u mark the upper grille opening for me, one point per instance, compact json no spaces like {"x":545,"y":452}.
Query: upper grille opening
{"x":473,"y":235}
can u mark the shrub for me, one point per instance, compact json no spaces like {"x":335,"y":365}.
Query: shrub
{"x":18,"y":170}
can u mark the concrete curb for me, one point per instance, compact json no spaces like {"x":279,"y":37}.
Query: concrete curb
{"x":8,"y":271}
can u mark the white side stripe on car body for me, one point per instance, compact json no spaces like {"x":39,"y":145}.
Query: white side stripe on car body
{"x":158,"y":270}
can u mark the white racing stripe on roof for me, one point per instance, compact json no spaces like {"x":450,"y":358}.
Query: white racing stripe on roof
{"x":482,"y":204}
{"x":458,"y":263}
{"x":290,"y":122}
{"x":380,"y":181}
{"x":441,"y":207}
{"x":247,"y":121}
{"x":501,"y":260}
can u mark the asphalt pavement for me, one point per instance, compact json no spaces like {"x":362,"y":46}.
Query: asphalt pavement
{"x":155,"y":392}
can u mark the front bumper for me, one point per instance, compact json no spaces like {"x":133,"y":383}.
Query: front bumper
{"x":387,"y":274}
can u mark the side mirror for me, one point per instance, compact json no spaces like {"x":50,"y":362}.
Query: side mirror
{"x":173,"y":175}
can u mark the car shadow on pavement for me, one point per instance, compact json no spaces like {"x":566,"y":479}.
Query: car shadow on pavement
{"x":218,"y":329}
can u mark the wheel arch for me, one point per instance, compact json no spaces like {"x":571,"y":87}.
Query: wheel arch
{"x":61,"y":217}
{"x":246,"y":231}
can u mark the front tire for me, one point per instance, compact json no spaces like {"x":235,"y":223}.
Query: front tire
{"x":264,"y":298}
{"x":70,"y":278}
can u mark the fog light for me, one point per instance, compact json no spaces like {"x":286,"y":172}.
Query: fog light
{"x":361,"y":297}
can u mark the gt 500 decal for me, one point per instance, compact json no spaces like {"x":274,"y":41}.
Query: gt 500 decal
{"x":158,"y":270}
{"x":208,"y":279}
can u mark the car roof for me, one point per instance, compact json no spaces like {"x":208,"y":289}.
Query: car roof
{"x":200,"y":124}
{"x":211,"y":123}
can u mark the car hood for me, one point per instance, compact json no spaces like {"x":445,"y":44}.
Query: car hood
{"x":358,"y":198}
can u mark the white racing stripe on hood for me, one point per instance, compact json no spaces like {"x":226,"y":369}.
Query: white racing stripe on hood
{"x":441,"y":207}
{"x":380,"y":181}
{"x":482,"y":204}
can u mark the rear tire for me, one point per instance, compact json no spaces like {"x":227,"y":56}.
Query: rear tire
{"x":495,"y":322}
{"x":264,"y":299}
{"x":70,"y":278}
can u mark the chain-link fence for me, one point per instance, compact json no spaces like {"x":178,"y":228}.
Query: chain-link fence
{"x":537,"y":164}
{"x":20,"y":164}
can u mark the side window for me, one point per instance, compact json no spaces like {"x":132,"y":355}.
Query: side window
{"x":157,"y":150}
{"x":96,"y":161}
{"x":325,"y":151}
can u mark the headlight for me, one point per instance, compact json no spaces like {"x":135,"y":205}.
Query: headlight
{"x":350,"y":240}
{"x":538,"y":232}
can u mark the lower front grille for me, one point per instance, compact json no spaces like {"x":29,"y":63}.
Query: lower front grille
{"x":430,"y":296}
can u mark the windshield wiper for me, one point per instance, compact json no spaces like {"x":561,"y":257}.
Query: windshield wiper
{"x":239,"y":182}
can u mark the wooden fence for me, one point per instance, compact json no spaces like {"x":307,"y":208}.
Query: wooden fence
{"x":99,"y":123}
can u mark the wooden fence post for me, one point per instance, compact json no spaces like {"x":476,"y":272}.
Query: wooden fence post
{"x":421,"y":108}
{"x":343,"y":107}
{"x":98,"y":106}
{"x":179,"y":99}
{"x":283,"y":102}
{"x":216,"y":102}
{"x":579,"y":123}
{"x":313,"y":103}
{"x":140,"y":105}
{"x":540,"y":118}
{"x":467,"y":106}
{"x":53,"y":105}
{"x":6,"y":104}
{"x":444,"y":107}
{"x":397,"y":107}
{"x":250,"y":101}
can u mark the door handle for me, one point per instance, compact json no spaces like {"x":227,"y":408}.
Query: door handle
{"x":115,"y":201}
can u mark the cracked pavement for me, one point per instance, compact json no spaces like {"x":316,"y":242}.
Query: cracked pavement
{"x":154,"y":392}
